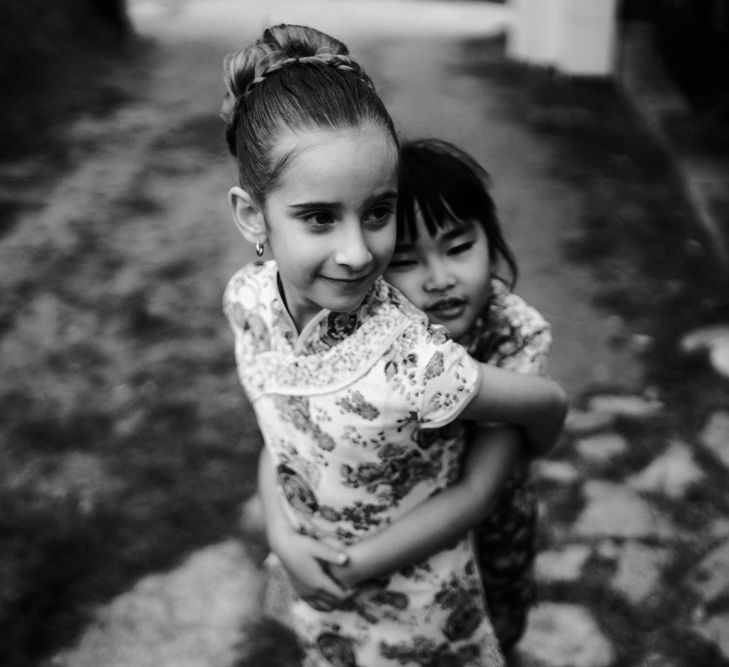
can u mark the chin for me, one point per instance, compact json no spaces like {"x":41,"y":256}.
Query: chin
{"x":345,"y":305}
{"x":455,"y":329}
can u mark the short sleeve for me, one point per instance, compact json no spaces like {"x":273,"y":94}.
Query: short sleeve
{"x":531,"y":355}
{"x":449,"y":378}
{"x":524,"y":335}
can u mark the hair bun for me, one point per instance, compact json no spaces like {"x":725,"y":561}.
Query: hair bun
{"x":278,"y":46}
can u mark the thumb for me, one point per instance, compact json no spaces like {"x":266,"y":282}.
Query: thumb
{"x":330,"y":554}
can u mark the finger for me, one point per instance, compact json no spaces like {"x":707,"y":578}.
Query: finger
{"x":329,"y":554}
{"x":330,"y":590}
{"x":319,"y":604}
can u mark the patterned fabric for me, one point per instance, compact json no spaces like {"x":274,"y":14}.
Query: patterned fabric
{"x":515,"y":336}
{"x":347,"y":409}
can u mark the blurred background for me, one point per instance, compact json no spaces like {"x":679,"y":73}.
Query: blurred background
{"x":127,"y":451}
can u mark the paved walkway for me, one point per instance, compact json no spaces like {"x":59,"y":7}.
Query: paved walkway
{"x":206,"y":613}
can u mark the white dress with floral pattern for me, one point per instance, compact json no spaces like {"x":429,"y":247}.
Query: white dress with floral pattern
{"x":346,"y":409}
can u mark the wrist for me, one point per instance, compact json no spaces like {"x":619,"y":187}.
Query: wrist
{"x":343,"y":575}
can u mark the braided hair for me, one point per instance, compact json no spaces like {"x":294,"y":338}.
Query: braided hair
{"x":292,"y":77}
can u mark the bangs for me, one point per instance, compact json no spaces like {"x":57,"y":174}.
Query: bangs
{"x":443,"y":190}
{"x":446,"y":187}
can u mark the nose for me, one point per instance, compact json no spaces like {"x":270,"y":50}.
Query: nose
{"x":439,"y":278}
{"x":353,"y":250}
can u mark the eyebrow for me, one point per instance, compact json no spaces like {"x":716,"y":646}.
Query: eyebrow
{"x":455,"y":232}
{"x":389,"y":194}
{"x":313,"y":204}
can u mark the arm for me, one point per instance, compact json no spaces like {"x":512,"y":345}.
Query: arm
{"x":439,"y":521}
{"x":303,"y":557}
{"x":537,"y":404}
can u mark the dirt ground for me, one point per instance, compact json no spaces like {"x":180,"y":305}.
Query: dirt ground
{"x":124,"y":442}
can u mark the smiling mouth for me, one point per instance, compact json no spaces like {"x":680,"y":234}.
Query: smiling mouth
{"x":347,"y":281}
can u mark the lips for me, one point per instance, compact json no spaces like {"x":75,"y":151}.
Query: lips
{"x":447,"y":303}
{"x":446,"y":307}
{"x":348,"y":281}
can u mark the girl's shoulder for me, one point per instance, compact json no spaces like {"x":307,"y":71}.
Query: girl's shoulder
{"x":386,"y":294}
{"x":508,"y":309}
{"x":511,"y":333}
{"x":250,"y":303}
{"x":254,"y":279}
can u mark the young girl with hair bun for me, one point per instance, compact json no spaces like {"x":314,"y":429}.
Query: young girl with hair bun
{"x":348,"y":380}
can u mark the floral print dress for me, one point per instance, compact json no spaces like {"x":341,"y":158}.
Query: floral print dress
{"x":347,"y":409}
{"x":513,"y":335}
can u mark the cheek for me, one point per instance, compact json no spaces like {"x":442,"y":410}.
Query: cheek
{"x":408,"y":283}
{"x":382,"y":244}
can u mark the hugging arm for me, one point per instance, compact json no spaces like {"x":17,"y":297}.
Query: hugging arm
{"x":433,"y":525}
{"x":537,"y":404}
{"x":304,"y":558}
{"x":438,"y":522}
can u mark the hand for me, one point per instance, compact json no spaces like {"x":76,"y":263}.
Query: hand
{"x":306,"y":561}
{"x":344,"y":573}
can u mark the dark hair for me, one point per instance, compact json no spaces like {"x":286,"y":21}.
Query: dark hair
{"x":446,"y":185}
{"x":292,"y":77}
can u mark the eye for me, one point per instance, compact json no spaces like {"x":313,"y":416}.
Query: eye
{"x":460,"y":248}
{"x":380,"y":215}
{"x":318,"y":219}
{"x":402,"y":263}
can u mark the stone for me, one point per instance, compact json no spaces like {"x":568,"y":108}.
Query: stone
{"x":719,"y":357}
{"x":715,"y":435}
{"x":714,"y":340}
{"x":639,"y":570}
{"x":587,"y":421}
{"x":703,"y":338}
{"x":716,"y":630}
{"x":670,"y":475}
{"x":558,"y":472}
{"x":602,"y":447}
{"x":719,"y":529}
{"x":710,"y":578}
{"x":656,"y":659}
{"x":193,"y":615}
{"x":565,"y":635}
{"x":614,"y":510}
{"x":641,"y":343}
{"x":608,"y":550}
{"x":626,"y":406}
{"x":562,"y":565}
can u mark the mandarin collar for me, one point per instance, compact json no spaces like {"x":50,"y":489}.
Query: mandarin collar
{"x":325,"y":329}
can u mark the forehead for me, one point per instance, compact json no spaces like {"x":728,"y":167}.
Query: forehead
{"x":317,"y":161}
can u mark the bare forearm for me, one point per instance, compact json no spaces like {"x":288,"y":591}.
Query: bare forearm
{"x":538,"y":405}
{"x":276,"y":521}
{"x":440,"y":521}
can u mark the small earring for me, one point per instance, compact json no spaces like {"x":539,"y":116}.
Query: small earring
{"x":259,"y":248}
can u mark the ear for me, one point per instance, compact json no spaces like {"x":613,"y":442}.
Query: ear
{"x":247,"y":215}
